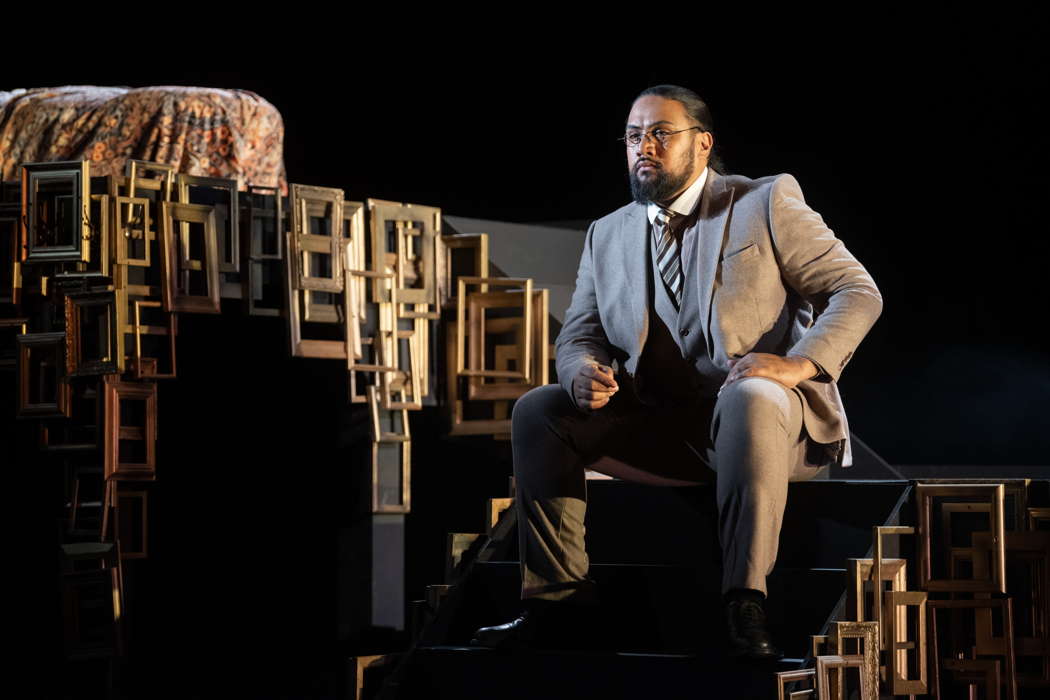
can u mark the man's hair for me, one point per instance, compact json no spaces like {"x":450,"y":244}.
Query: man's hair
{"x":695,"y":108}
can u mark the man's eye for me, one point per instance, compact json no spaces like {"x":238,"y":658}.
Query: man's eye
{"x":659,"y":133}
{"x":634,"y":136}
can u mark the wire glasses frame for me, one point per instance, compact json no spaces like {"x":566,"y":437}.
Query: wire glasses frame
{"x":633,"y":138}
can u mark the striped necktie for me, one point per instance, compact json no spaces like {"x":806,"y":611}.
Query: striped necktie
{"x":667,"y":258}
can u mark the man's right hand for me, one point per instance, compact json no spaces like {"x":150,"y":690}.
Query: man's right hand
{"x":593,"y":386}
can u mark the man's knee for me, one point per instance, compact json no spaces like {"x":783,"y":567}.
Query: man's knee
{"x":539,"y":405}
{"x":752,"y":401}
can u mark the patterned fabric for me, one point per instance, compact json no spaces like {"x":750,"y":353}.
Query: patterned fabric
{"x":667,"y":257}
{"x":207,"y":132}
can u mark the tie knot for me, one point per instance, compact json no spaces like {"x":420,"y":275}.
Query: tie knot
{"x":664,"y":216}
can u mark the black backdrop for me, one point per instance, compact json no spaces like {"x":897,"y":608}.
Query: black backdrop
{"x":927,"y":158}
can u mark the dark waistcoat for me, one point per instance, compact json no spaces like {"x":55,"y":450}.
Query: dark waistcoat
{"x":675,"y":367}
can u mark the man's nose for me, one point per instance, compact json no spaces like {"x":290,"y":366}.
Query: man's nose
{"x":647,"y":146}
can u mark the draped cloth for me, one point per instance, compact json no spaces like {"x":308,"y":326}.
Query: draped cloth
{"x":209,"y":132}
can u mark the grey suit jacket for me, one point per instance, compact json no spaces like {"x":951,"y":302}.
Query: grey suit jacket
{"x":772,"y":278}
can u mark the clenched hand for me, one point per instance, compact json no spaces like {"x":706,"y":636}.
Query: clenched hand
{"x":593,"y":386}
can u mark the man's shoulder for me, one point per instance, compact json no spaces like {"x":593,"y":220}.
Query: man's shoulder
{"x":753,"y":184}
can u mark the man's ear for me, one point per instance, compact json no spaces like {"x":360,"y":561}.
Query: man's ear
{"x":706,"y":143}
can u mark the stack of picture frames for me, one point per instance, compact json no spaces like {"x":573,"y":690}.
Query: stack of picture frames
{"x":967,"y":616}
{"x":95,"y":271}
{"x":498,"y":344}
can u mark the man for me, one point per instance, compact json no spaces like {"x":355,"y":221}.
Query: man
{"x":730,"y":309}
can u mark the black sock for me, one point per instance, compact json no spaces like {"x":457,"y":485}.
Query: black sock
{"x":742,"y":594}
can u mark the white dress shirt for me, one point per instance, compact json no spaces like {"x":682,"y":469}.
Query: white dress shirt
{"x":685,"y":202}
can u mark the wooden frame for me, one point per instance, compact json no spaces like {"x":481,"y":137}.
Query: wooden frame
{"x":409,"y":221}
{"x":988,"y":494}
{"x":300,"y":346}
{"x":476,"y":242}
{"x":131,"y":502}
{"x":175,"y":253}
{"x":228,"y":231}
{"x":111,"y":340}
{"x":257,"y":259}
{"x":477,"y":327}
{"x":403,"y":443}
{"x":99,"y":267}
{"x":383,"y":345}
{"x":354,"y":251}
{"x":376,"y":411}
{"x":15,"y":327}
{"x":306,"y":203}
{"x":477,"y":388}
{"x":116,"y":467}
{"x":825,"y":664}
{"x":1004,"y":643}
{"x":133,"y":169}
{"x":57,"y":405}
{"x":880,"y":531}
{"x":896,"y":670}
{"x":867,"y":636}
{"x":859,"y":572}
{"x":147,"y":367}
{"x":10,"y":255}
{"x":84,"y":482}
{"x":74,"y":176}
{"x":1031,"y":606}
{"x":131,"y":223}
{"x":1015,"y":496}
{"x":786,"y":677}
{"x":403,"y":382}
{"x":1036,"y":516}
{"x":56,"y":436}
{"x":459,"y":424}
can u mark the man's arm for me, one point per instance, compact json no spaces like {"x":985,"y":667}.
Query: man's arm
{"x":582,"y":339}
{"x":817,"y":265}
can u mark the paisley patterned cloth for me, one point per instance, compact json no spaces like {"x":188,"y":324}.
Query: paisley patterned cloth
{"x":207,"y":132}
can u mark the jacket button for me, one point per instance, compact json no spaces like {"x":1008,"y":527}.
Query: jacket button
{"x":684,"y":331}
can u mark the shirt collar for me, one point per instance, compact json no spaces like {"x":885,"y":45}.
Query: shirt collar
{"x":686,"y":202}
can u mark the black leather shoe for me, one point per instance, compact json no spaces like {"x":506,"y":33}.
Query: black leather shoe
{"x":549,"y":626}
{"x":522,"y":631}
{"x":748,"y":636}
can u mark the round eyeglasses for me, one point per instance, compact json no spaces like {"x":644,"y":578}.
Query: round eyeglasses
{"x":661,"y":136}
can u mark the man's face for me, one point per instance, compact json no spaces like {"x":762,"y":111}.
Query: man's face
{"x":659,"y":173}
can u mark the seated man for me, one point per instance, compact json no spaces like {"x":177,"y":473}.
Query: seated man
{"x":730,"y":309}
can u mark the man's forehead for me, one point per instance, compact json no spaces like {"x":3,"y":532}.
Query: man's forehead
{"x":652,"y":110}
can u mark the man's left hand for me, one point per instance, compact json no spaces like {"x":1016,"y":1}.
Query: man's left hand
{"x":789,"y":371}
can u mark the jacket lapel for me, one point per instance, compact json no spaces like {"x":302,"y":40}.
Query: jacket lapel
{"x":634,"y":232}
{"x":715,"y":205}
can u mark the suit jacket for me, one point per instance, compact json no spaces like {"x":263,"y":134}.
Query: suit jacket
{"x":771,"y":276}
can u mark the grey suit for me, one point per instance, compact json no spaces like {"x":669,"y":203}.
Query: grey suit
{"x":767,"y":275}
{"x":755,"y":236}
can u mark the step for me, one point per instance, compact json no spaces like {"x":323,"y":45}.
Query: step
{"x":657,"y":608}
{"x":631,"y":523}
{"x":456,"y":673}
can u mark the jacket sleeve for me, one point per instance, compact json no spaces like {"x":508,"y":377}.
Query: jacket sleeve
{"x":582,"y":339}
{"x":817,"y":265}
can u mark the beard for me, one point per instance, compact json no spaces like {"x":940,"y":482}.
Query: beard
{"x":661,"y":185}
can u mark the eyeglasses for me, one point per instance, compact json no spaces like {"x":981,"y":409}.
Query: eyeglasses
{"x":634,"y":137}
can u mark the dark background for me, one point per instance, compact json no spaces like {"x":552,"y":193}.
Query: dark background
{"x":926,"y":157}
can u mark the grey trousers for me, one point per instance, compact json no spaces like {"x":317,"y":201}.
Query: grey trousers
{"x":750,"y":441}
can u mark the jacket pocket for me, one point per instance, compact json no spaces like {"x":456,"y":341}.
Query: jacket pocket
{"x":745,"y":253}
